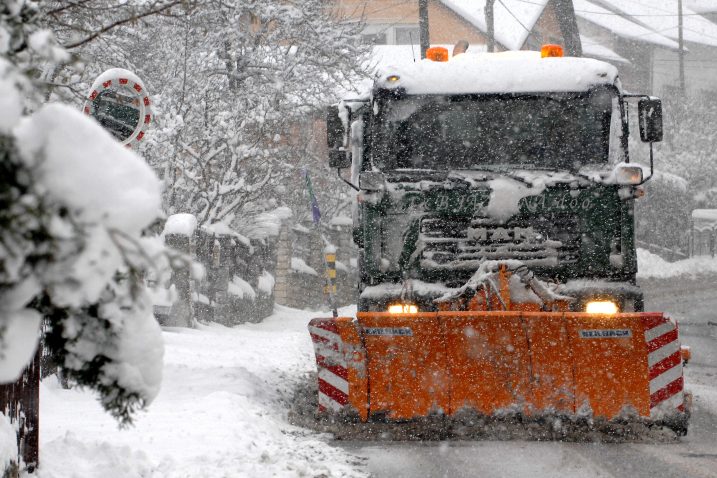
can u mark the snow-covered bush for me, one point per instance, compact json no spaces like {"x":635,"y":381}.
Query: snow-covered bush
{"x":73,"y":204}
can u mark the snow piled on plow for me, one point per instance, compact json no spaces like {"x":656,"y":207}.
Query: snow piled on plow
{"x":222,"y":411}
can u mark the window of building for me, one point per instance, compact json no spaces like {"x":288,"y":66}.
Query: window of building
{"x":391,"y":34}
{"x":374,"y":38}
{"x":406,"y":35}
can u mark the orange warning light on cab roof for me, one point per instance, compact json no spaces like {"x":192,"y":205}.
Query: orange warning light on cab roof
{"x":437,"y":53}
{"x":550,"y":50}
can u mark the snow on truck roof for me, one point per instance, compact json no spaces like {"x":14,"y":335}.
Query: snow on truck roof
{"x":505,"y":72}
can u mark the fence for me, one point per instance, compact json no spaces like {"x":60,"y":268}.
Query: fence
{"x":21,"y":402}
{"x":243,"y":277}
{"x":300,"y":266}
{"x":704,"y":232}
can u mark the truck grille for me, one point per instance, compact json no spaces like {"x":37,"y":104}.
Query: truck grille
{"x":463,"y":243}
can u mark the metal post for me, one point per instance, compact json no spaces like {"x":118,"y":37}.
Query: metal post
{"x":490,"y":20}
{"x":330,"y":287}
{"x":681,"y":52}
{"x":423,"y":26}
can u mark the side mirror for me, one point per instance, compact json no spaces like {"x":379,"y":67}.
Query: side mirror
{"x":649,"y":113}
{"x":334,"y":128}
{"x":339,"y":158}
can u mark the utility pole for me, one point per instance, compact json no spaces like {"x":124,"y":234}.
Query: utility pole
{"x":490,"y":20}
{"x":568,"y":27}
{"x":681,"y":52}
{"x":423,"y":26}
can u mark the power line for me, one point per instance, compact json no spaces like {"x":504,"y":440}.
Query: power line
{"x":530,"y":33}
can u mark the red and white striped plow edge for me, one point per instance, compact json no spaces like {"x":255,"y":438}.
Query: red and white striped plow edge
{"x":331,"y":363}
{"x":664,"y":362}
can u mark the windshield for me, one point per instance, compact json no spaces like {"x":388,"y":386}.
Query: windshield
{"x":470,"y":132}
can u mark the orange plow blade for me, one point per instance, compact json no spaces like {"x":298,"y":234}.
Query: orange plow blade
{"x":383,"y":366}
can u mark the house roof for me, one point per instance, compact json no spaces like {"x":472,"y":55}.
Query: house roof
{"x":593,"y":49}
{"x":619,"y":25}
{"x":661,"y":16}
{"x":701,"y":6}
{"x":513,"y":19}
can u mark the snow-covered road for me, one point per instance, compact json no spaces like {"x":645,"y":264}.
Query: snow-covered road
{"x":222,"y":412}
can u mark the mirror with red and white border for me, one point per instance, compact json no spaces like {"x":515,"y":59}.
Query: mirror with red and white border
{"x":119,"y":101}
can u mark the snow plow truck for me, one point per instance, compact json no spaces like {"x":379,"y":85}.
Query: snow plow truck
{"x":497,"y":262}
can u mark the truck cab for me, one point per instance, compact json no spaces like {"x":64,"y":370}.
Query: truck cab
{"x":517,"y":157}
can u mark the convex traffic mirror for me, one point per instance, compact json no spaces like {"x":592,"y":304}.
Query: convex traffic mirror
{"x":119,"y":101}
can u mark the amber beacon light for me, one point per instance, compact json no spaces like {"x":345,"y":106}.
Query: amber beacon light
{"x":437,"y":53}
{"x":549,"y":51}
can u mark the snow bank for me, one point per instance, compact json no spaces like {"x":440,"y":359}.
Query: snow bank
{"x":222,"y":411}
{"x":650,"y":265}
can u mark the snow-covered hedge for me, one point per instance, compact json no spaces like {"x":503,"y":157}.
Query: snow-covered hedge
{"x":73,"y":205}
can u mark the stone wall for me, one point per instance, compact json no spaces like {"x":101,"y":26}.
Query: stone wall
{"x":301,"y":267}
{"x":231,"y":282}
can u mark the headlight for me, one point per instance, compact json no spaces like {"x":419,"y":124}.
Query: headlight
{"x":601,"y":307}
{"x":402,"y":309}
{"x":628,"y":175}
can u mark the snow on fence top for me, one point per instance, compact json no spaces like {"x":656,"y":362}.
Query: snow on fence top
{"x":222,"y":229}
{"x":506,"y":72}
{"x":182,"y":224}
{"x":704,"y":218}
{"x":341,"y":221}
{"x":267,"y":224}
